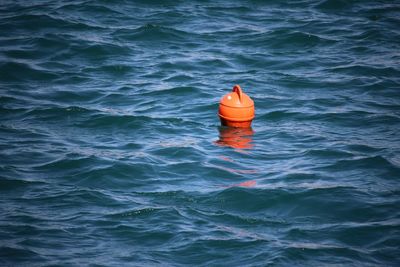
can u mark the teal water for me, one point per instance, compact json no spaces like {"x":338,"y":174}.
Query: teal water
{"x":111,"y":152}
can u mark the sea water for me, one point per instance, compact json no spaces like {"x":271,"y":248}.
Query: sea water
{"x":112,"y":154}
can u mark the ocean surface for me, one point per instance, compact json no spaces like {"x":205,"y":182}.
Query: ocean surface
{"x":112,"y":154}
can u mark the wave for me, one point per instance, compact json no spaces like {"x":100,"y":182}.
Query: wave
{"x":364,"y":163}
{"x":11,"y":184}
{"x":152,"y":32}
{"x":285,"y":38}
{"x":10,"y":252}
{"x":90,"y":8}
{"x":18,"y":71}
{"x":38,"y":23}
{"x":366,"y":70}
{"x":332,"y":5}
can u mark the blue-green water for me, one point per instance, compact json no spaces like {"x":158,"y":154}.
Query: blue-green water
{"x":111,"y":151}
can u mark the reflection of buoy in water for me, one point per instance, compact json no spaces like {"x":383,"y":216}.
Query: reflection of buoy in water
{"x":236,"y":109}
{"x":240,"y":138}
{"x":250,"y":183}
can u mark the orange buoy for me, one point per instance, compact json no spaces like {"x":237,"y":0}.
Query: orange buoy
{"x":236,"y":109}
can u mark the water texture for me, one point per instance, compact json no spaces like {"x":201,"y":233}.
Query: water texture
{"x":111,"y":152}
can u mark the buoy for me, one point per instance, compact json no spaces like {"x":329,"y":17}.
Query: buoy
{"x":236,"y":109}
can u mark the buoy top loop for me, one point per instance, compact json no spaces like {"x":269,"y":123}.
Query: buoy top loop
{"x":237,"y":98}
{"x":238,"y":90}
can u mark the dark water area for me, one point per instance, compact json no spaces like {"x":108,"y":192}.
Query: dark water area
{"x":112,"y":154}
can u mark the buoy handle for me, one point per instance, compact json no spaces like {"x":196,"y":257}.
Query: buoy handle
{"x":238,"y":90}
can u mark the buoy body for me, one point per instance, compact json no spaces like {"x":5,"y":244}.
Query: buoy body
{"x":236,"y":109}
